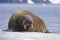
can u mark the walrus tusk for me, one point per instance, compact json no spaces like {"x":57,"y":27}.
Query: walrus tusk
{"x":31,"y":26}
{"x":24,"y":27}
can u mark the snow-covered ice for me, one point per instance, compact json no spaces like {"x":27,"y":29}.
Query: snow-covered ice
{"x":28,"y":36}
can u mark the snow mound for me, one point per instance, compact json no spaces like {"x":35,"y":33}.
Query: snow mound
{"x":28,"y":36}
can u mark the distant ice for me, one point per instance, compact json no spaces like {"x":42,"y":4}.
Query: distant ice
{"x":30,"y":2}
{"x":55,"y":1}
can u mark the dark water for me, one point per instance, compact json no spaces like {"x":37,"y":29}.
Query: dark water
{"x":49,"y":13}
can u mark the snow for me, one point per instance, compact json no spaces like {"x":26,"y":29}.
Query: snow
{"x":28,"y":36}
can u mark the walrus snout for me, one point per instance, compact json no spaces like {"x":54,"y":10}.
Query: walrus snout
{"x":28,"y":22}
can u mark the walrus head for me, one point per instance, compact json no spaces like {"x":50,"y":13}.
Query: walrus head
{"x":28,"y":21}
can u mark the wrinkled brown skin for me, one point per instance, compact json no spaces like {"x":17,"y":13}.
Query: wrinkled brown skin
{"x":38,"y":26}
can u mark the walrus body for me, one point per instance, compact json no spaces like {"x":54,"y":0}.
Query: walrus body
{"x":16,"y":22}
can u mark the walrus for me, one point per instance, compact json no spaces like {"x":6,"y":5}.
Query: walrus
{"x":26,"y":21}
